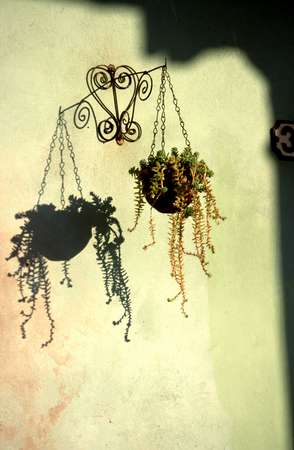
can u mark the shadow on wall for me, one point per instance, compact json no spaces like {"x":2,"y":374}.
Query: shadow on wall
{"x":181,"y":29}
{"x":55,"y":234}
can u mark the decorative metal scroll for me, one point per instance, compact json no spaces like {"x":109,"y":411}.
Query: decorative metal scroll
{"x":119,"y":123}
{"x":282,"y":139}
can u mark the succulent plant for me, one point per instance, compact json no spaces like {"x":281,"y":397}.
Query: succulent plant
{"x":178,"y":184}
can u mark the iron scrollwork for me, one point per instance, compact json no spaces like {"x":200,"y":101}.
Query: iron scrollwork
{"x":119,"y":123}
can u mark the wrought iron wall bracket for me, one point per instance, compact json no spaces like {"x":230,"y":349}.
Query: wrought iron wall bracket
{"x":119,"y":123}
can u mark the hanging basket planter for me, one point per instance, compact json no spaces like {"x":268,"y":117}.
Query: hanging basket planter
{"x":60,"y":234}
{"x":177,"y":184}
{"x":169,"y":180}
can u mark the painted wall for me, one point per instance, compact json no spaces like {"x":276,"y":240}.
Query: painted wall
{"x":216,"y":380}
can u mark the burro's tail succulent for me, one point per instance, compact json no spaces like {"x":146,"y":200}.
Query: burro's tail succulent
{"x":178,"y":184}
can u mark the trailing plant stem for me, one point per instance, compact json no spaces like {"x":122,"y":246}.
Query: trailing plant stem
{"x":139,"y":202}
{"x":151,"y":230}
{"x":176,"y":255}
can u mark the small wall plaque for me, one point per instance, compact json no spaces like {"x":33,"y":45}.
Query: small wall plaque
{"x":282,"y":139}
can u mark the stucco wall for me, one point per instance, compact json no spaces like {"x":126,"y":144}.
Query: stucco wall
{"x":216,"y":380}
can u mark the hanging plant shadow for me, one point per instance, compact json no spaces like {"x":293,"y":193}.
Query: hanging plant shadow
{"x":59,"y":235}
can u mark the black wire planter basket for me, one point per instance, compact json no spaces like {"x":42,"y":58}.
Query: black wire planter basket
{"x":60,"y":234}
{"x":178,"y":184}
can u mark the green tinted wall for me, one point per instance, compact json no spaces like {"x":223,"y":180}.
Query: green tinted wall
{"x":216,"y":380}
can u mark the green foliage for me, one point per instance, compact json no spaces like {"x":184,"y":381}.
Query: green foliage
{"x":160,"y":159}
{"x":139,"y":202}
{"x":188,"y":212}
{"x":172,"y":176}
{"x":178,"y":183}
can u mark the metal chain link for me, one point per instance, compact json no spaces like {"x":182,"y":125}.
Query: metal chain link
{"x":72,"y":155}
{"x":160,"y":100}
{"x":178,"y":111}
{"x":163,"y":118}
{"x":61,"y":126}
{"x":62,"y":164}
{"x":48,"y":162}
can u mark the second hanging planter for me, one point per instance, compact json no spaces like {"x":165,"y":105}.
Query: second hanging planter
{"x":178,"y":184}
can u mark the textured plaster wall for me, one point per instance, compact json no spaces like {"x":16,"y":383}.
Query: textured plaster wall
{"x":213,"y":381}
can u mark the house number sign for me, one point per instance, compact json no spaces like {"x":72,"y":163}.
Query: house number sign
{"x":282,"y":139}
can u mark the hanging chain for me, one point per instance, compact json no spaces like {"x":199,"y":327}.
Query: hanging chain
{"x":48,"y":162}
{"x":178,"y":111}
{"x":163,"y":90}
{"x":61,"y":127}
{"x":62,"y":164}
{"x":72,"y":155}
{"x":160,"y":106}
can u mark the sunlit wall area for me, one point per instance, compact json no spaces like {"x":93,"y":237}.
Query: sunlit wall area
{"x":216,"y":380}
